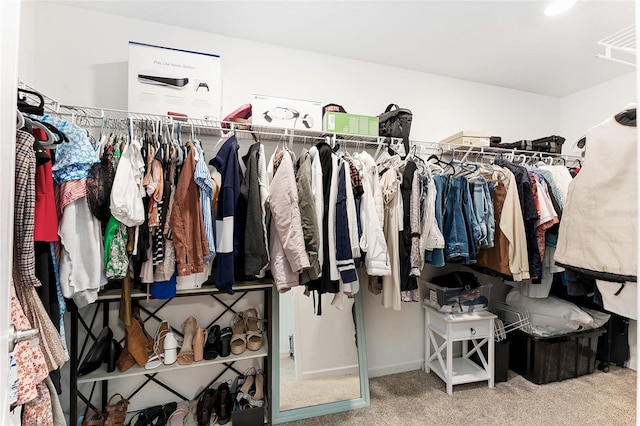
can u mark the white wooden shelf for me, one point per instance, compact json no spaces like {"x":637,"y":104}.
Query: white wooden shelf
{"x":115,"y":294}
{"x":464,"y":371}
{"x":101,"y":373}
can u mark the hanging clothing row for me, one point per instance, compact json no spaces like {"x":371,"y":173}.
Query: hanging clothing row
{"x":36,"y":298}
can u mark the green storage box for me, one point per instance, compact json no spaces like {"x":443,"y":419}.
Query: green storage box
{"x":350,"y":124}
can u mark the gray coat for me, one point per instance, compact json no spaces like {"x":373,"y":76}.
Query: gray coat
{"x":310,"y":227}
{"x":255,"y":248}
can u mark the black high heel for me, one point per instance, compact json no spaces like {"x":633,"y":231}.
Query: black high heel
{"x":112,"y":354}
{"x":211,"y":346}
{"x":225,"y":341}
{"x":96,"y":353}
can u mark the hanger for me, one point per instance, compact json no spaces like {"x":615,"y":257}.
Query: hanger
{"x":444,"y":165}
{"x":573,"y":166}
{"x":20,"y":122}
{"x":28,"y":108}
{"x":61,"y":136}
{"x":464,"y":168}
{"x":50,"y":138}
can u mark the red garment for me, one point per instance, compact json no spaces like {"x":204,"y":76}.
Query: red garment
{"x":46,"y":217}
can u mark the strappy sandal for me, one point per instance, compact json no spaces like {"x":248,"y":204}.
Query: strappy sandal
{"x":116,"y":413}
{"x":185,"y":356}
{"x":244,"y":393}
{"x":177,"y":418}
{"x":254,"y":333}
{"x":239,"y":338}
{"x":257,"y":399}
{"x":94,"y":418}
{"x":157,"y":359}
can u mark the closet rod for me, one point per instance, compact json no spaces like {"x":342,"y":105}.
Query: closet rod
{"x":221,"y":127}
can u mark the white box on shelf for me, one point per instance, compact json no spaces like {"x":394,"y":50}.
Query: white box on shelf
{"x":288,"y":113}
{"x":468,"y":138}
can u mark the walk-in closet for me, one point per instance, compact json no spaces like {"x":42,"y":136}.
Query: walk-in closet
{"x":319,"y":213}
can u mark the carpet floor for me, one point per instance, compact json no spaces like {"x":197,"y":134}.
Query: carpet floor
{"x":418,"y":398}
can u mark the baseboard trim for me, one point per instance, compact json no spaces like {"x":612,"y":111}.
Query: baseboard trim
{"x":330,"y":372}
{"x":385,"y":370}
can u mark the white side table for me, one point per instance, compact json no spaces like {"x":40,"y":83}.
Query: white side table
{"x":474,"y":327}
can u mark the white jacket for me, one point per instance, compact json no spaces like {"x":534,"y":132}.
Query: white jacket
{"x":431,"y":237}
{"x":598,"y":230}
{"x":288,"y":254}
{"x":126,"y":197}
{"x":81,"y":262}
{"x":372,"y":241}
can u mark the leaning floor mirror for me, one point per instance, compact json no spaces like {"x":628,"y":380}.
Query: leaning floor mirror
{"x":319,"y":362}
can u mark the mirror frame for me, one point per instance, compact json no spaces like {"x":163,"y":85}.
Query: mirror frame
{"x":278,"y":416}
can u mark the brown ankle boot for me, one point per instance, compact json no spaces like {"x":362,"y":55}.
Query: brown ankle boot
{"x":139,"y":342}
{"x":125,"y":360}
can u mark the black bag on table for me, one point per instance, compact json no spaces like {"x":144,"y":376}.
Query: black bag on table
{"x":396,"y":123}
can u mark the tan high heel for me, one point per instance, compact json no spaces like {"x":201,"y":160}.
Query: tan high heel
{"x":198,"y":344}
{"x":185,"y":356}
{"x":239,"y":338}
{"x":254,"y":334}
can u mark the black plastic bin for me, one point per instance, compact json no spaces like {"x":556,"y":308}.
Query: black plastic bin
{"x":500,"y":360}
{"x":551,"y":359}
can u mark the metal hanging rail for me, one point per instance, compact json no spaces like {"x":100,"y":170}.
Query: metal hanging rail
{"x":97,"y":117}
{"x":621,"y":42}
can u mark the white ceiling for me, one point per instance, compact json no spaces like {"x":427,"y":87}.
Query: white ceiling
{"x":503,"y":43}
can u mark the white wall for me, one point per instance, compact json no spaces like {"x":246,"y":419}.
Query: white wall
{"x":590,"y":107}
{"x":324,"y":345}
{"x":92,"y":51}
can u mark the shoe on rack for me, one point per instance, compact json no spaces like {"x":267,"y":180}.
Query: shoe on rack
{"x":257,"y":399}
{"x":94,"y":418}
{"x":185,"y":356}
{"x":177,"y":418}
{"x":125,"y":360}
{"x":170,"y":348}
{"x":139,"y":342}
{"x":164,"y":415}
{"x":198,"y":344}
{"x":205,"y":407}
{"x":96,"y":353}
{"x":225,"y":341}
{"x":239,"y":338}
{"x":243,"y":397}
{"x":224,"y":404}
{"x":254,"y":333}
{"x":112,"y":355}
{"x":212,"y":342}
{"x":157,"y":358}
{"x":158,"y":339}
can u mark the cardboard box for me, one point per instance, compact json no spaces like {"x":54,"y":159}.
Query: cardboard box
{"x":351,"y":124}
{"x":469,"y":138}
{"x":288,"y":113}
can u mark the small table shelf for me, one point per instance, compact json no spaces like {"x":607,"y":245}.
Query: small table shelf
{"x":474,"y":327}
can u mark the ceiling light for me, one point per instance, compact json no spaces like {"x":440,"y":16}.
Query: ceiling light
{"x":556,"y":7}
